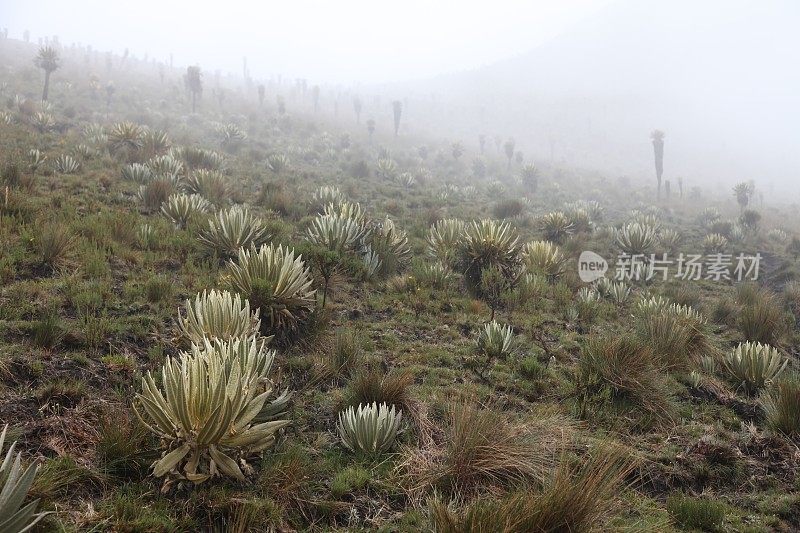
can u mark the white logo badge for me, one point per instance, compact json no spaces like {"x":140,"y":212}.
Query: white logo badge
{"x":591,"y":267}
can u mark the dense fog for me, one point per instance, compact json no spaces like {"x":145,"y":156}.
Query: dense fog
{"x":582,"y":83}
{"x":450,"y":266}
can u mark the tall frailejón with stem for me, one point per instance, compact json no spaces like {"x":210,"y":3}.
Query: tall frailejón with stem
{"x":397,"y":108}
{"x":194,"y":83}
{"x":658,"y":152}
{"x":48,"y":60}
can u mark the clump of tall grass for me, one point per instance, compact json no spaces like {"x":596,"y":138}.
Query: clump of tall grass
{"x":342,"y":357}
{"x":48,"y":331}
{"x":762,"y":320}
{"x":54,"y":245}
{"x":675,"y":339}
{"x":372,"y":385}
{"x":624,"y":371}
{"x":479,"y":448}
{"x":575,"y":498}
{"x":696,"y":513}
{"x":782,"y":406}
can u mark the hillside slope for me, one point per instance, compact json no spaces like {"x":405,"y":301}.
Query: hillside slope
{"x":716,"y":76}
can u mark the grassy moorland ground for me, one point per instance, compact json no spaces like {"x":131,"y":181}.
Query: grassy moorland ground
{"x":600,"y":408}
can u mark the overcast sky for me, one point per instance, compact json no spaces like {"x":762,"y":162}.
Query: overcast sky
{"x":341,"y":41}
{"x":719,"y":75}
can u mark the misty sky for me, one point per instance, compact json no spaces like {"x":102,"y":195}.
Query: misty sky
{"x":344,"y":41}
{"x":720,"y":76}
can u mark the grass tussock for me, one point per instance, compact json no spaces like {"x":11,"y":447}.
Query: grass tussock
{"x":48,"y":331}
{"x":342,"y":357}
{"x":782,"y":406}
{"x":676,"y":342}
{"x":622,"y":372}
{"x":375,"y":386}
{"x":61,"y":476}
{"x":696,"y":513}
{"x":576,"y":498}
{"x":480,"y":448}
{"x":54,"y":245}
{"x":124,"y":447}
{"x":762,"y":320}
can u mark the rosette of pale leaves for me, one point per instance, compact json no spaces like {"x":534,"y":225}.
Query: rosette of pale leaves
{"x":669,"y":240}
{"x":443,"y":239}
{"x":529,"y":175}
{"x":754,"y":366}
{"x":231,"y":134}
{"x":326,"y":195}
{"x":495,"y":188}
{"x":406,"y":179}
{"x":35,"y":159}
{"x":95,"y":134}
{"x":166,"y":166}
{"x":652,"y":304}
{"x":714,"y":243}
{"x":336,"y":233}
{"x":181,"y":208}
{"x":204,"y":410}
{"x":369,"y":428}
{"x":390,"y":244}
{"x":276,"y":281}
{"x":155,"y":142}
{"x":198,"y":158}
{"x":687,"y":312}
{"x":85,"y":151}
{"x":371,"y":261}
{"x":66,"y":164}
{"x":277,"y":163}
{"x":603,"y":287}
{"x":709,"y":216}
{"x":386,"y":168}
{"x":496,"y":341}
{"x":43,"y":121}
{"x":618,"y":292}
{"x":556,"y":226}
{"x":580,"y":221}
{"x":545,"y":258}
{"x":435,"y":274}
{"x":14,"y":485}
{"x":125,"y":138}
{"x":743,"y":191}
{"x":47,"y":58}
{"x":449,"y":190}
{"x":655,"y":305}
{"x":646,"y":218}
{"x":778,"y":235}
{"x":351,"y":210}
{"x":637,"y":239}
{"x":210,"y":184}
{"x":232,"y":229}
{"x":218,"y":315}
{"x":587,"y":295}
{"x":487,"y":243}
{"x":146,"y":236}
{"x":737,"y":233}
{"x":138,"y":173}
{"x":595,"y":210}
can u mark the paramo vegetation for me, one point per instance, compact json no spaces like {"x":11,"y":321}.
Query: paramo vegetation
{"x":229,"y":304}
